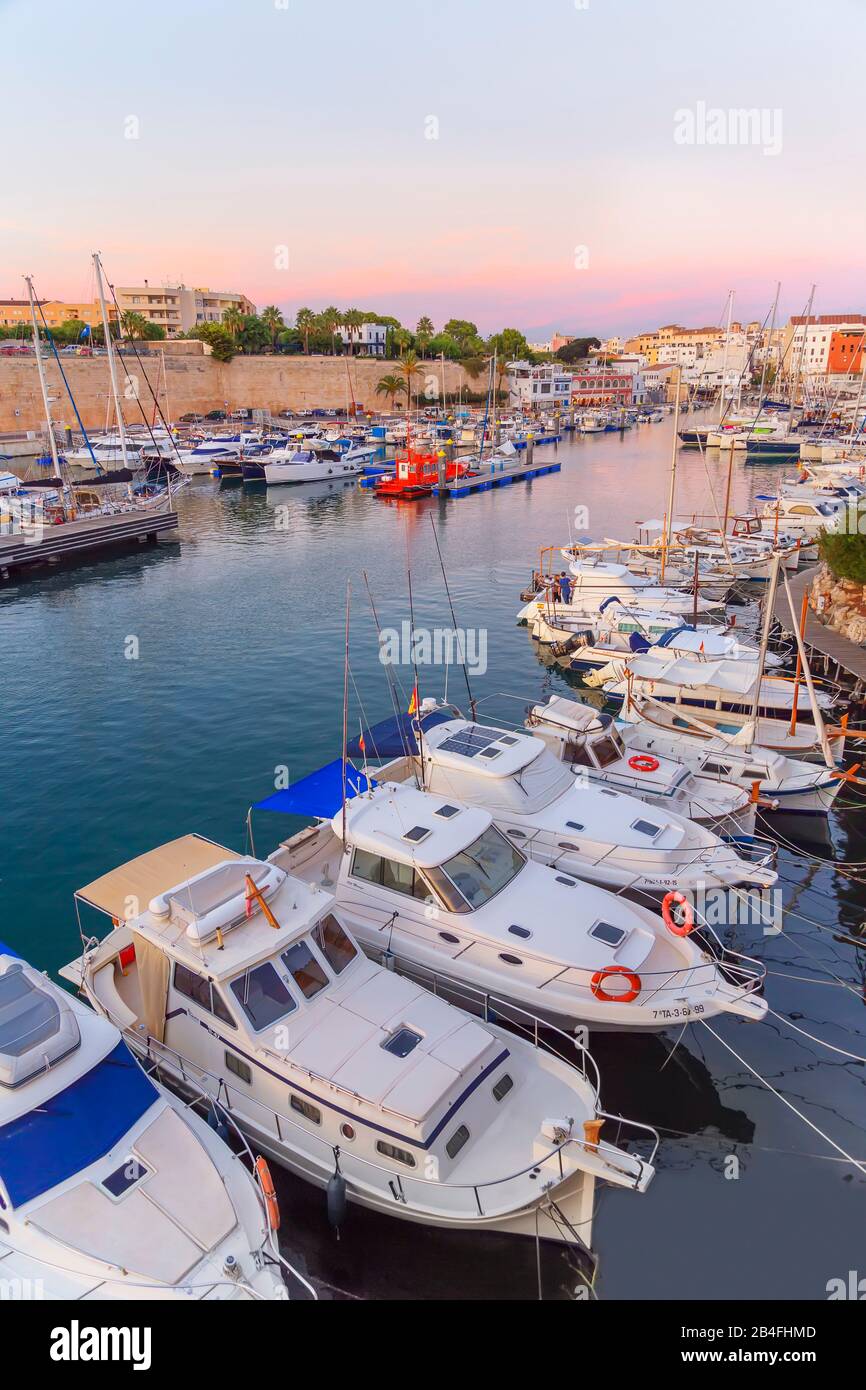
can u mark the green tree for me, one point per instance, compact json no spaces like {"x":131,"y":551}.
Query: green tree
{"x":424,"y":331}
{"x":154,"y":332}
{"x":844,"y":554}
{"x":390,"y":386}
{"x":443,"y":345}
{"x":465,"y":333}
{"x":253,"y":336}
{"x":331,"y":318}
{"x":352,"y":320}
{"x":305,"y":322}
{"x":290,"y":340}
{"x":577,"y":349}
{"x":134,"y":325}
{"x":218,"y":339}
{"x":233,"y":320}
{"x":273,"y":321}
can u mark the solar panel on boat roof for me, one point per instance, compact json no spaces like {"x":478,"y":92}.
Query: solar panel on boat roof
{"x":470,"y":741}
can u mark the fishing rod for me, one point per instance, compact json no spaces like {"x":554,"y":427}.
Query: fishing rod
{"x":472,"y":703}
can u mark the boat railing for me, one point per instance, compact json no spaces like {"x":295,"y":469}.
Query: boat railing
{"x":401,"y":1185}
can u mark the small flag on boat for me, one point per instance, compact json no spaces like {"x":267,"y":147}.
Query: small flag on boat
{"x":361,"y":744}
{"x":413,"y":703}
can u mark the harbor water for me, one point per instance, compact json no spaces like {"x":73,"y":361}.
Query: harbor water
{"x":168,"y":690}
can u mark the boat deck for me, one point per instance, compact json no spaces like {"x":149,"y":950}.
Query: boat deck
{"x":819,"y":638}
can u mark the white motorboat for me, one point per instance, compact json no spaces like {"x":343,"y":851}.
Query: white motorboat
{"x":593,"y":826}
{"x":592,"y":582}
{"x":707,"y":683}
{"x":433,"y":882}
{"x":768,"y":753}
{"x":304,"y":466}
{"x":593,"y":639}
{"x":110,"y":1187}
{"x":599,"y":749}
{"x":355,"y":1077}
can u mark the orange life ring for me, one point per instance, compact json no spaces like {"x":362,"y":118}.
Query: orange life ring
{"x":643,"y":762}
{"x":677,"y":900}
{"x":266,"y":1182}
{"x":598,"y":979}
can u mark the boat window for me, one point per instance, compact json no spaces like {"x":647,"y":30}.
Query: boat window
{"x":401,"y":1042}
{"x":239,"y":1068}
{"x":450,"y":938}
{"x":606,"y":932}
{"x":523,"y":932}
{"x":502,"y":1087}
{"x":646,"y":827}
{"x":457,"y":1141}
{"x":485,"y":867}
{"x":392,"y":1151}
{"x":367,"y":866}
{"x":263,"y":996}
{"x":509,"y":959}
{"x":201,"y":992}
{"x":304,"y":969}
{"x":575,"y":825}
{"x":402,"y":878}
{"x":417,"y":834}
{"x":303,"y":1107}
{"x":334,"y":944}
{"x":446,"y":812}
{"x":124,"y":1177}
{"x":714,"y":767}
{"x":607,"y":750}
{"x":578,"y":753}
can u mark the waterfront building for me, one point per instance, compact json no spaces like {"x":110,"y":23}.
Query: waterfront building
{"x":178,"y":308}
{"x":369,"y":338}
{"x":545,"y":385}
{"x":807,"y":345}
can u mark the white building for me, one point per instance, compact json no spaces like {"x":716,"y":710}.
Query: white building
{"x":370,"y":338}
{"x":546,"y":386}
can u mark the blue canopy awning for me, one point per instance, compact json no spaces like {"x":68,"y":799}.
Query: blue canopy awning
{"x":320,"y":794}
{"x":74,"y":1128}
{"x":394,"y":737}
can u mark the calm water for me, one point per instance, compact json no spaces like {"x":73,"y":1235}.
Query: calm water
{"x":239,"y":671}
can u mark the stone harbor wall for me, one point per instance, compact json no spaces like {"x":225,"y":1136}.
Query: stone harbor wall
{"x":840,"y":604}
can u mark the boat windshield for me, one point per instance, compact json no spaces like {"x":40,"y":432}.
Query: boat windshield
{"x":485,"y":867}
{"x":608,"y":749}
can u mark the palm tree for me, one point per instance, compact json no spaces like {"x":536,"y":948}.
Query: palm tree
{"x":233,"y":320}
{"x":134,"y":325}
{"x":331,"y":319}
{"x":273,"y":321}
{"x":424,"y":331}
{"x":474,"y":366}
{"x":390,"y":386}
{"x":353,"y":319}
{"x":409,"y":364}
{"x":305,"y":322}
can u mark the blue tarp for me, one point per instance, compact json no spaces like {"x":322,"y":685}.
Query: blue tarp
{"x":319,"y":794}
{"x":392,"y":738}
{"x":75,"y":1127}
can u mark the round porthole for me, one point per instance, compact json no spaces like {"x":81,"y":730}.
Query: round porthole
{"x":347,"y":1131}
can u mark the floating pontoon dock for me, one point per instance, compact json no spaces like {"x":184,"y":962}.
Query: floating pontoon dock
{"x":822,"y":641}
{"x":88,"y":534}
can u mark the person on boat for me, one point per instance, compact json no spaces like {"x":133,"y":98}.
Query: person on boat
{"x":565,"y":587}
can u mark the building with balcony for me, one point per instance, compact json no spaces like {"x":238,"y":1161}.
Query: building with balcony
{"x":541,"y":387}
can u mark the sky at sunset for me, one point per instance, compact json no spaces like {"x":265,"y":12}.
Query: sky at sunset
{"x":562,"y":186}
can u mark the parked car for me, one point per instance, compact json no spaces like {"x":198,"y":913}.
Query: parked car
{"x":216,"y":415}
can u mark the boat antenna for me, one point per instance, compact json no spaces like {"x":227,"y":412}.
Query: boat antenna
{"x":346,"y":710}
{"x":416,"y":697}
{"x":472,"y":702}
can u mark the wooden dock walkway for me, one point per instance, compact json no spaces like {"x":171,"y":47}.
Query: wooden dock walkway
{"x":84,"y":536}
{"x":820,"y":639}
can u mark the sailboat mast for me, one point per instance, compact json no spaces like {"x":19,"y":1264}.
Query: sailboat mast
{"x":40,"y":367}
{"x":725,"y":358}
{"x":765,"y":640}
{"x":670,"y":512}
{"x":112,"y":365}
{"x":346,"y":709}
{"x":795,"y":380}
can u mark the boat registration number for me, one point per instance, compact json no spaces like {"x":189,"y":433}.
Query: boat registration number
{"x":684,"y":1011}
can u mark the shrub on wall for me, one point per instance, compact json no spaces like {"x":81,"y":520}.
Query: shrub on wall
{"x":845,"y":555}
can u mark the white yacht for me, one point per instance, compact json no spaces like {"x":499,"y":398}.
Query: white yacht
{"x":594,"y":638}
{"x":781,"y":760}
{"x":592,"y":582}
{"x":110,"y":1187}
{"x":305,"y":466}
{"x":433,"y":882}
{"x":708,"y":683}
{"x":600,"y":749}
{"x":357,"y":1078}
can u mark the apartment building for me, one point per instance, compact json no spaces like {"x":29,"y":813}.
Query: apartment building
{"x":536,"y":387}
{"x":369,"y":338}
{"x":178,"y":308}
{"x":16,"y":312}
{"x":808,"y":345}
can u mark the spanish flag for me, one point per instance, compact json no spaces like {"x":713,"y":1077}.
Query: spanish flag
{"x":413,"y":703}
